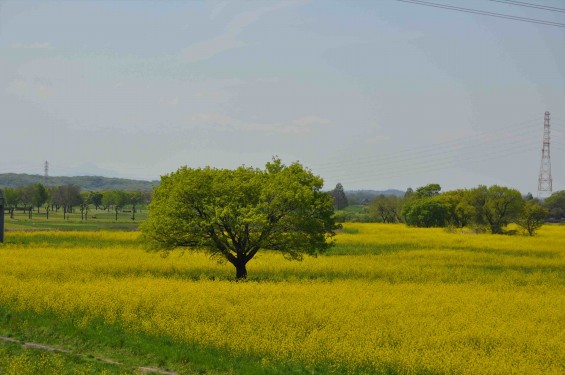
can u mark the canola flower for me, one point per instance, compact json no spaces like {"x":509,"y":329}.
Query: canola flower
{"x":410,"y":300}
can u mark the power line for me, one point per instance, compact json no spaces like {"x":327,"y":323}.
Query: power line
{"x":514,"y":128}
{"x":484,"y":13}
{"x":439,"y":165}
{"x":421,"y":162}
{"x":460,"y":153}
{"x":530,"y":5}
{"x":441,"y":148}
{"x":418,"y":166}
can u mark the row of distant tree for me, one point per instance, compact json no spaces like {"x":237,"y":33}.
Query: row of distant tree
{"x":68,"y":198}
{"x":482,"y":207}
{"x":490,"y":208}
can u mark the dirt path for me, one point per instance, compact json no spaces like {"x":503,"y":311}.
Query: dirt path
{"x":33,"y":345}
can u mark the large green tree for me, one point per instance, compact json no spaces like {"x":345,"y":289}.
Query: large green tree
{"x":235,"y":213}
{"x":496,"y":206}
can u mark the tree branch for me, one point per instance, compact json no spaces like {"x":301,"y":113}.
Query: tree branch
{"x":221,"y":246}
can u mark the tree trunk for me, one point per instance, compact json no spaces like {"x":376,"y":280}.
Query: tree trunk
{"x":240,"y":271}
{"x":495,"y":227}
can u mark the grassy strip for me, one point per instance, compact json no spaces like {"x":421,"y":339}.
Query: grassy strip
{"x":132,"y":350}
{"x":15,"y":359}
{"x":96,"y":220}
{"x":71,"y":225}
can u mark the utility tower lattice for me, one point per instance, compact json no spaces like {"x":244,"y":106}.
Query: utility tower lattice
{"x":46,"y":175}
{"x":545,"y":181}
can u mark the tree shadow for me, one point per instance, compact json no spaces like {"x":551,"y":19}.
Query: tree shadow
{"x":544,"y":254}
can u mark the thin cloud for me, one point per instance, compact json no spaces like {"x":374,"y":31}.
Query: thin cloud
{"x":34,"y":89}
{"x":303,"y":125}
{"x":229,"y":39}
{"x":377,"y":139}
{"x":170,"y":102}
{"x":212,"y":119}
{"x":44,"y":45}
{"x":311,"y":121}
{"x":218,"y":9}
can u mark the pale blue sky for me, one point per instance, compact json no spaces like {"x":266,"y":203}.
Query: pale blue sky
{"x":374,"y":94}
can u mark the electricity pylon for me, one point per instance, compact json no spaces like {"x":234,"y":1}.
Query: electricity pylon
{"x":545,"y":181}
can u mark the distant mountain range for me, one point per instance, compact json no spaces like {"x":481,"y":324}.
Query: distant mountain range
{"x":86,"y":183}
{"x":99,"y":183}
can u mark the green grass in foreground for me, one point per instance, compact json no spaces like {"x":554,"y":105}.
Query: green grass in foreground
{"x":97,"y":340}
{"x":17,"y":360}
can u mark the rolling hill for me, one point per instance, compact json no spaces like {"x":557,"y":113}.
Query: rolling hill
{"x":87,"y":183}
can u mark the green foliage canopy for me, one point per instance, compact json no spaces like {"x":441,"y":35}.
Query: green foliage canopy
{"x":428,"y":191}
{"x":461,"y":212}
{"x":532,"y":217}
{"x":235,"y":213}
{"x":39,"y":195}
{"x":12,"y":197}
{"x":556,"y":205}
{"x":496,"y":206}
{"x":425,"y":208}
{"x":430,"y":211}
{"x":386,"y":208}
{"x":95,"y":198}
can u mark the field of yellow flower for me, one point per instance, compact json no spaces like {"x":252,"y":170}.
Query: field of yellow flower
{"x":386,"y":299}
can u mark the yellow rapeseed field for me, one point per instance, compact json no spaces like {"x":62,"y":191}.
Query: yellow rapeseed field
{"x":389,"y":298}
